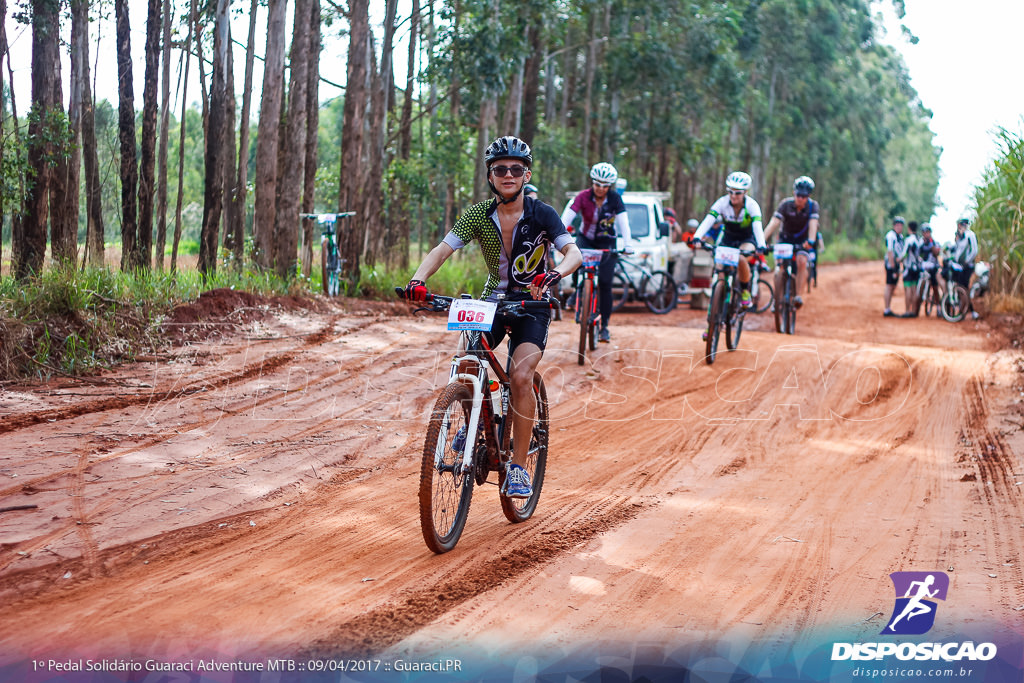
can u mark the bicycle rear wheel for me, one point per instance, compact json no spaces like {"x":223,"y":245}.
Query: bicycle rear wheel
{"x":445,"y":488}
{"x":521,"y":509}
{"x":954,"y":305}
{"x":583,"y":300}
{"x":659,"y":292}
{"x":715,"y":314}
{"x":765,"y":295}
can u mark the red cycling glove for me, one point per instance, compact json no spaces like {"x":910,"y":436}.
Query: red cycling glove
{"x":416,"y":290}
{"x":548,"y":279}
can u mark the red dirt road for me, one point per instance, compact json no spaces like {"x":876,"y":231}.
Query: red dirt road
{"x":255,"y":495}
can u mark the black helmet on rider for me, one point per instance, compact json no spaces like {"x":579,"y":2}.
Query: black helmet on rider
{"x":803,"y":186}
{"x":508,"y":147}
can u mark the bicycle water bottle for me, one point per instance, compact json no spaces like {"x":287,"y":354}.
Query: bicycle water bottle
{"x":493,"y":390}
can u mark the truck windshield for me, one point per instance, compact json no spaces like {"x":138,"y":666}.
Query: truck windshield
{"x":639,"y":223}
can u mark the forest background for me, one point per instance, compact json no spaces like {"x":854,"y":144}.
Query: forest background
{"x":675,"y":94}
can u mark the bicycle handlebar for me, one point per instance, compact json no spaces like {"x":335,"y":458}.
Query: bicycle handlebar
{"x":439,"y":304}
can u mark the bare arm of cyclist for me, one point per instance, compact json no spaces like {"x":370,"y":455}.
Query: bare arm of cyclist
{"x":812,"y":231}
{"x":773,"y":225}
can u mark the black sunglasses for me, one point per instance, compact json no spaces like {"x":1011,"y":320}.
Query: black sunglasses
{"x":502,"y":171}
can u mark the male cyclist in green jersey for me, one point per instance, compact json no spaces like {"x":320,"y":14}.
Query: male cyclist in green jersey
{"x":514,"y":235}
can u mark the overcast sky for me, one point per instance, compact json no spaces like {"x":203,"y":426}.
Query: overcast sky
{"x":965,"y":68}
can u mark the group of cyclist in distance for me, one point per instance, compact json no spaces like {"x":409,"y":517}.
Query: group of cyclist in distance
{"x":917,"y":255}
{"x":515,"y":231}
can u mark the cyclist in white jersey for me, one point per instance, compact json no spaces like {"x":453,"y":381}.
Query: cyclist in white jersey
{"x":893,"y":254}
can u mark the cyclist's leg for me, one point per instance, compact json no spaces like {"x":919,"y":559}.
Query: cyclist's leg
{"x":529,"y":336}
{"x":801,"y":271}
{"x":605,"y":278}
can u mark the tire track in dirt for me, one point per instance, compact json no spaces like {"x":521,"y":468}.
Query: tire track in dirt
{"x":388,"y":624}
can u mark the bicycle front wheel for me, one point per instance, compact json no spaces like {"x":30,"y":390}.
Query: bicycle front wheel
{"x":780,"y":304}
{"x":445,"y":487}
{"x":521,"y":509}
{"x":659,"y":292}
{"x":716,"y":312}
{"x":954,"y":305}
{"x":734,"y":322}
{"x":583,"y":316}
{"x":325,"y":268}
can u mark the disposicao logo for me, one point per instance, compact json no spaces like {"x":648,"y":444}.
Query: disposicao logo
{"x":916,"y":595}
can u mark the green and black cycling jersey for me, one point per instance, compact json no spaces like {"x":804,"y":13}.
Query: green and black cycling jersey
{"x":537,"y":229}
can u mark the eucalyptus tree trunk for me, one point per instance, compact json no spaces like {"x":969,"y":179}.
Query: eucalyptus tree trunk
{"x":76,"y":107}
{"x":267,"y":138}
{"x":63,"y":220}
{"x":216,"y":151}
{"x":376,"y":152}
{"x":30,"y":237}
{"x":242,"y":178}
{"x":147,"y":180}
{"x":181,"y":137}
{"x":126,"y":137}
{"x":400,"y":222}
{"x":286,"y":224}
{"x":531,"y":78}
{"x":229,"y":220}
{"x":94,"y":234}
{"x":312,"y":126}
{"x":351,"y":169}
{"x":456,"y":124}
{"x":165,"y":120}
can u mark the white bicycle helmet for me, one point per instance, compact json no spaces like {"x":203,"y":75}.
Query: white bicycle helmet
{"x":604,"y":173}
{"x":803,"y":185}
{"x":738,"y":180}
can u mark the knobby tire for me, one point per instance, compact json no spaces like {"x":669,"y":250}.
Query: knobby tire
{"x":445,"y":493}
{"x":659,"y":291}
{"x":714,"y":321}
{"x":734,"y":322}
{"x":583,"y":315}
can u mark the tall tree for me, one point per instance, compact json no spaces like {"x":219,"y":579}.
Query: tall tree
{"x":350,"y":192}
{"x":312,"y":127}
{"x":181,"y":138}
{"x":44,"y":123}
{"x":286,"y":225}
{"x":126,"y":135}
{"x":376,"y":147}
{"x":150,"y":95}
{"x":242,"y":177}
{"x":264,"y":212}
{"x":93,"y":198}
{"x":216,"y":150}
{"x":165,"y":120}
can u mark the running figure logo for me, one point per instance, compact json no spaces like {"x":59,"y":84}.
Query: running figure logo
{"x":916,"y":595}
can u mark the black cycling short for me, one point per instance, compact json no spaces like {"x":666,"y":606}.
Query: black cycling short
{"x":737,"y":241}
{"x":892,"y":276}
{"x":531,"y":328}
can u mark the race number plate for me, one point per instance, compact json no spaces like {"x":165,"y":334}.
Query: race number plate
{"x":727,"y":256}
{"x":783,"y":251}
{"x":591,"y":257}
{"x":471,"y":314}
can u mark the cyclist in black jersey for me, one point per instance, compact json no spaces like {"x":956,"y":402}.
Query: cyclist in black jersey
{"x":797,"y":216}
{"x":514,"y":234}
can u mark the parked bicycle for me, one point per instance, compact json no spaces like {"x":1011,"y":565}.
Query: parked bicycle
{"x":470,"y":430}
{"x":724,"y":310}
{"x":785,"y":304}
{"x":929,"y":296}
{"x":635,"y":281}
{"x":958,"y":300}
{"x":330,"y":263}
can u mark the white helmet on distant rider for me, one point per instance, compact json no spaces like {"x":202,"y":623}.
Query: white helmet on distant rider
{"x":604,"y":173}
{"x":738,"y":180}
{"x":803,"y":186}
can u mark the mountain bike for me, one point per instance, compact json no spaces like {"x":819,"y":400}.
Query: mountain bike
{"x":724,"y":310}
{"x":958,"y":300}
{"x":588,"y":312}
{"x":761,"y":291}
{"x":469,"y":434}
{"x":330,"y":263}
{"x":928,"y":295}
{"x":785,"y":306}
{"x":634,"y":281}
